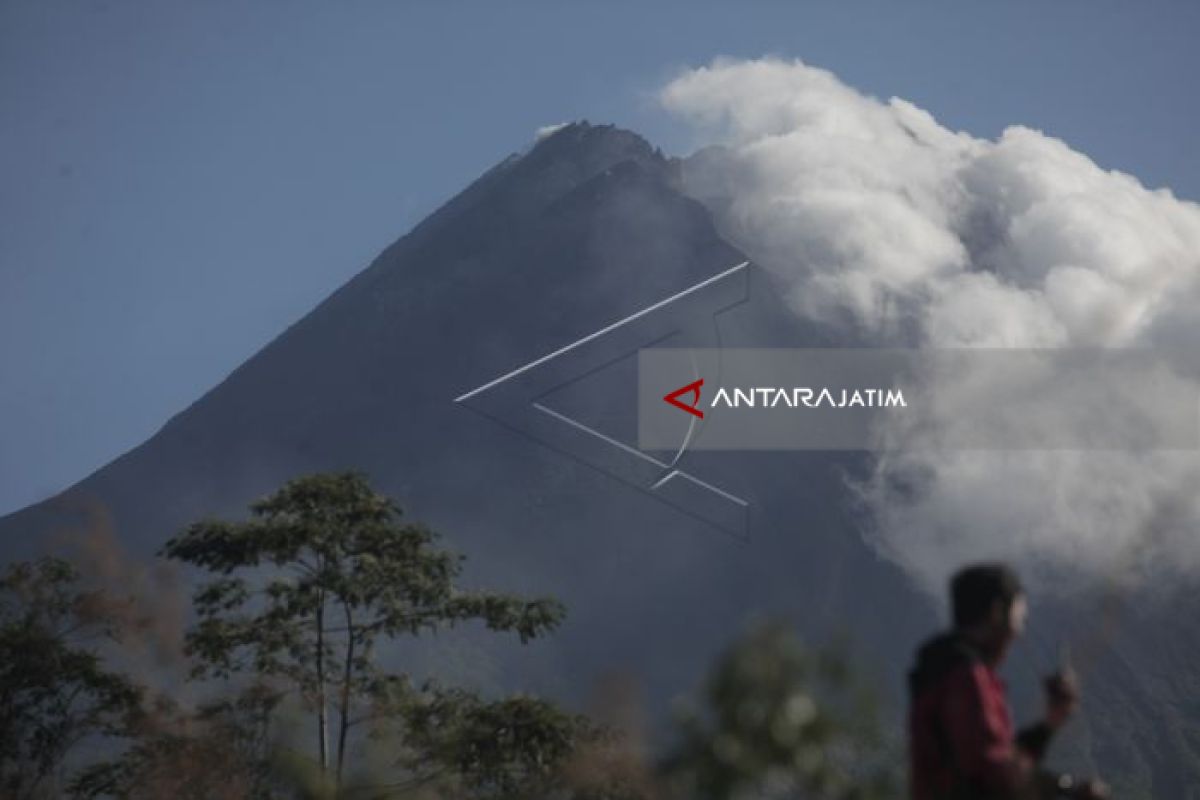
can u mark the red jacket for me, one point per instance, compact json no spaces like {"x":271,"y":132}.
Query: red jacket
{"x":961,"y":737}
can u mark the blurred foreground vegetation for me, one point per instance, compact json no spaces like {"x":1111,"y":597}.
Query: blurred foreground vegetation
{"x":295,"y":606}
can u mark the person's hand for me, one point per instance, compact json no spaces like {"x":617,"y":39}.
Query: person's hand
{"x":1062,"y":697}
{"x":1091,"y":789}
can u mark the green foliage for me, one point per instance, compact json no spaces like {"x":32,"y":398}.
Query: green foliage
{"x":54,"y":692}
{"x":308,"y":586}
{"x":781,"y":722}
{"x":223,"y":749}
{"x":301,"y":598}
{"x":508,"y":749}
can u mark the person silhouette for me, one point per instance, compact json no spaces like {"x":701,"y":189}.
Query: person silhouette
{"x":962,"y":741}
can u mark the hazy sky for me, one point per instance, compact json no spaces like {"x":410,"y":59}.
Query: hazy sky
{"x":179,"y":181}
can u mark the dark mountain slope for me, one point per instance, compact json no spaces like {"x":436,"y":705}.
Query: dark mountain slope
{"x":585,"y":229}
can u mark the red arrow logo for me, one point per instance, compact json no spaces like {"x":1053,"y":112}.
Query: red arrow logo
{"x":694,"y":388}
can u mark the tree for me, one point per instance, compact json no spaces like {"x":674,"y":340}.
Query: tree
{"x":306,"y":588}
{"x":223,"y":749}
{"x":459,"y":745}
{"x":782,"y":722}
{"x":54,"y":692}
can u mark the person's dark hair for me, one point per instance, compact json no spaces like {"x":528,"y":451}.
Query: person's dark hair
{"x":974,"y":589}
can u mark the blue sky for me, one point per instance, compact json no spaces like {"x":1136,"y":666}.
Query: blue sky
{"x":179,"y":181}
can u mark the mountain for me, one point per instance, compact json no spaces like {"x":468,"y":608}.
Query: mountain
{"x":588,"y":227}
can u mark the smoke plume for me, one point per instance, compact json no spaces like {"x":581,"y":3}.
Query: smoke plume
{"x":896,"y":231}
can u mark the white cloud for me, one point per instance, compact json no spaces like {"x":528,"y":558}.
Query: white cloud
{"x":901,"y":232}
{"x":549,"y":130}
